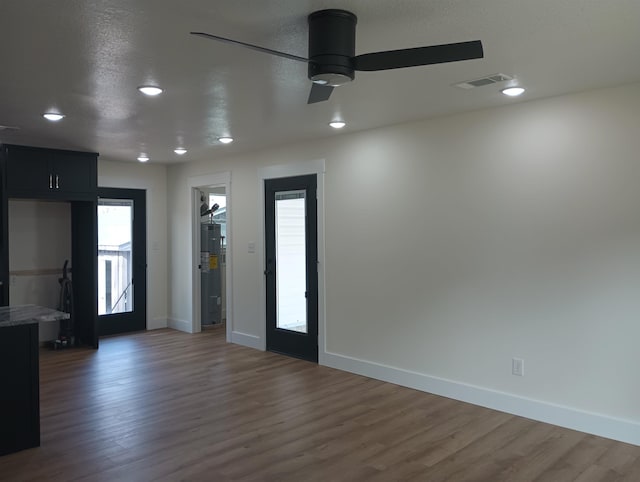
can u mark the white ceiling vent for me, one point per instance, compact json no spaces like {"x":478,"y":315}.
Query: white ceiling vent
{"x":488,"y":80}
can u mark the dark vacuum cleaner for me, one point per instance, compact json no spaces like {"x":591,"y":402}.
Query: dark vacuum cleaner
{"x":66,"y":336}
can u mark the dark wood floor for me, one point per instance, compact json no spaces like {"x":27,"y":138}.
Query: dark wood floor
{"x":165,"y":405}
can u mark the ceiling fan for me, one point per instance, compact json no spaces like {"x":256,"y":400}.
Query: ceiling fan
{"x":332,"y":61}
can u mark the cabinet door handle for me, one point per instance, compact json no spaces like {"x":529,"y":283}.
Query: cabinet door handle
{"x":57,"y":183}
{"x":50,"y":181}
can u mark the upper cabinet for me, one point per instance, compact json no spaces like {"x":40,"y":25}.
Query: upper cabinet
{"x":50,"y":173}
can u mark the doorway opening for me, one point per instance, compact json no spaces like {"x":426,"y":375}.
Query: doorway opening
{"x":211,"y":254}
{"x":122,"y":260}
{"x":291,"y":250}
{"x":213,"y":250}
{"x":289,"y":199}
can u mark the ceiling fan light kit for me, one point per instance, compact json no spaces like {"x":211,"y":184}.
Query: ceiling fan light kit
{"x":332,"y":47}
{"x":332,"y":61}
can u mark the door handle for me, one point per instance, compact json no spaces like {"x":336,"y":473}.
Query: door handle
{"x":57,"y":183}
{"x":50,"y":181}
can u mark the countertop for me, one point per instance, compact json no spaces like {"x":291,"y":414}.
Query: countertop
{"x":26,"y":314}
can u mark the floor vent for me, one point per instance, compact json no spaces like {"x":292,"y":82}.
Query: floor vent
{"x":488,"y":80}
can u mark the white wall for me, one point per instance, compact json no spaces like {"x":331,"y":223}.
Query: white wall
{"x":39,"y":244}
{"x":153,"y":179}
{"x":455,"y":244}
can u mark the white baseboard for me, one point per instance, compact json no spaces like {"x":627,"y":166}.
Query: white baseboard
{"x":157,"y":323}
{"x":243,"y":339}
{"x":597,"y":424}
{"x":180,"y":325}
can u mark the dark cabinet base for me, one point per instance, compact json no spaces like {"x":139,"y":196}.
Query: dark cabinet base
{"x":19,"y":388}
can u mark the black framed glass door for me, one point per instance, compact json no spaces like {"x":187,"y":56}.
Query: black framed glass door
{"x":291,"y":266}
{"x":122,"y":260}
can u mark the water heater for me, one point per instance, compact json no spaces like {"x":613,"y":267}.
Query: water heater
{"x":210,"y":273}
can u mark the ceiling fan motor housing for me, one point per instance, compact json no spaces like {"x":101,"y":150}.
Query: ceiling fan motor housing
{"x":332,"y":47}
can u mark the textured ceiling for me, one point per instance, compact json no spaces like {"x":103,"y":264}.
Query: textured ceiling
{"x":86,"y":58}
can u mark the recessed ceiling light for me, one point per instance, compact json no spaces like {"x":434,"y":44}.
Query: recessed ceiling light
{"x":513,"y":91}
{"x":337,"y":124}
{"x":143,"y":158}
{"x":180,"y":150}
{"x":226,"y":140}
{"x":53,"y":116}
{"x":150,"y":90}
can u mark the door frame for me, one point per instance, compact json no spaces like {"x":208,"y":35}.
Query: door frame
{"x":316,"y":167}
{"x":287,"y":341}
{"x":139,"y":238}
{"x":193,"y":183}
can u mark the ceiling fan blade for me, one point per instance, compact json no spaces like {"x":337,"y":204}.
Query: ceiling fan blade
{"x":319,"y":93}
{"x":250,"y":46}
{"x":435,"y":54}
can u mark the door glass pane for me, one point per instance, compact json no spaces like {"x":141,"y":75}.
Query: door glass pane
{"x":115,"y":256}
{"x":291,"y":273}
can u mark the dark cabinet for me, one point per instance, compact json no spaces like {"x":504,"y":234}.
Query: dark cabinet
{"x":73,"y":173}
{"x":27,"y":173}
{"x":4,"y":246}
{"x":50,"y":174}
{"x":19,"y":396}
{"x":64,"y":176}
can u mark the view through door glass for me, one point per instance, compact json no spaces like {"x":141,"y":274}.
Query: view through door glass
{"x":115,"y":256}
{"x":291,"y":266}
{"x":291,"y":276}
{"x":121,"y":260}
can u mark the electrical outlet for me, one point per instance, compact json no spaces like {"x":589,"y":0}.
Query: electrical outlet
{"x":517,"y":366}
